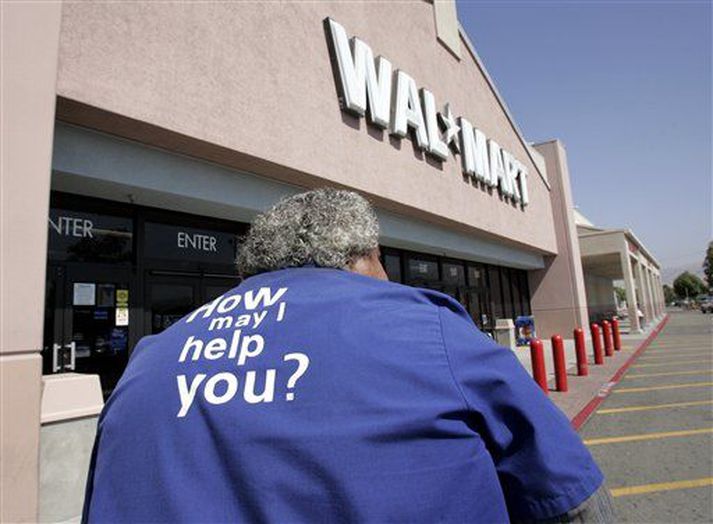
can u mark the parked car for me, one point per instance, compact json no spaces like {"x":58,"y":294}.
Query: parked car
{"x":706,"y":304}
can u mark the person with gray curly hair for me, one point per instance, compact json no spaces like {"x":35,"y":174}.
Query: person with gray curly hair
{"x":317,"y":390}
{"x":326,"y":227}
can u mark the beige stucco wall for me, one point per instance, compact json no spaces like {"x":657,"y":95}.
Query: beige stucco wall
{"x":595,"y":243}
{"x":30,"y":34}
{"x":255,"y":80}
{"x":558,"y":298}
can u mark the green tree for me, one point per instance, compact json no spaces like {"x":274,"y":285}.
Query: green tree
{"x":688,"y":285}
{"x":708,"y":266}
{"x":668,"y":294}
{"x":620,"y":294}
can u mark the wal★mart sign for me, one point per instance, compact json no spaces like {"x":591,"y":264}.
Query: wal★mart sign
{"x":395,"y":103}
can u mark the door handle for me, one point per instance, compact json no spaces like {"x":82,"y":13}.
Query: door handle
{"x":72,"y":346}
{"x":55,"y":357}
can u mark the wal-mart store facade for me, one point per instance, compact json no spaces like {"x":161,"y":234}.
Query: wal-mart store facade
{"x":147,"y":136}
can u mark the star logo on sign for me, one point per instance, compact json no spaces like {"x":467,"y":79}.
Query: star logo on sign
{"x":451,"y":128}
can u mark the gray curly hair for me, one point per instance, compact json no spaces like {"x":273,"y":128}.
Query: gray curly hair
{"x":327,"y":227}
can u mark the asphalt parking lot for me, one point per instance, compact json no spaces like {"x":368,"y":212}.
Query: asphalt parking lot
{"x":653,"y":435}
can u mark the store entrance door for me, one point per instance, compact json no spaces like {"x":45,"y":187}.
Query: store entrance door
{"x":87,"y":321}
{"x":171,"y":295}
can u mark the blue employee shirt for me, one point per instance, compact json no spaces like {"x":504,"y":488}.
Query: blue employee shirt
{"x":313,"y":394}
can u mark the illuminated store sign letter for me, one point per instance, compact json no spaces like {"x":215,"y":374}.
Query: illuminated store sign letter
{"x":407,"y":110}
{"x":436,"y":146}
{"x":497,"y":169}
{"x":475,"y":151}
{"x":359,"y":76}
{"x":522,"y":179}
{"x":510,"y":187}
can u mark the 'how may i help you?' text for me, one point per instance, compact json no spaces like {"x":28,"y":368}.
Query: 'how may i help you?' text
{"x":236,"y":321}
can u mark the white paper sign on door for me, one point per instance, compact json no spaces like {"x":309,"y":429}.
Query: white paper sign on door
{"x":84,"y":294}
{"x":122,"y":316}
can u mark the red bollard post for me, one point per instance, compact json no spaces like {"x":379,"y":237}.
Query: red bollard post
{"x":597,"y":344}
{"x":560,"y":364}
{"x":608,"y":340}
{"x":538,"y":363}
{"x":617,"y":334}
{"x":581,"y":350}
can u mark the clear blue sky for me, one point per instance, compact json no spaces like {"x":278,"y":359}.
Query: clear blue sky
{"x":627,"y":87}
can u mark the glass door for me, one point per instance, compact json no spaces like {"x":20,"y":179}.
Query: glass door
{"x":215,"y":285}
{"x":171,"y":295}
{"x":96,"y":322}
{"x":53,"y":354}
{"x":87,"y":321}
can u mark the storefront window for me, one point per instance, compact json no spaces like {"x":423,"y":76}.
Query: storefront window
{"x":516,"y":293}
{"x":525,"y":293}
{"x":453,"y":274}
{"x":118,"y":272}
{"x":422,"y":269}
{"x":476,"y":275}
{"x":508,"y":303}
{"x":496,"y":291}
{"x":392,"y":266}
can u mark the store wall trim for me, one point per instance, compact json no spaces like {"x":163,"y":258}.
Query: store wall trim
{"x":94,"y":164}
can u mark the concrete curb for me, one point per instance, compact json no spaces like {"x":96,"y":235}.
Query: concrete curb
{"x":581,"y":417}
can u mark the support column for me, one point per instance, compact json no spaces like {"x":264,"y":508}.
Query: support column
{"x":654,"y":298}
{"x":631,"y":302}
{"x":641,"y":286}
{"x":558,"y":295}
{"x":647,"y":293}
{"x":30,"y":42}
{"x":662,"y":296}
{"x":654,"y":293}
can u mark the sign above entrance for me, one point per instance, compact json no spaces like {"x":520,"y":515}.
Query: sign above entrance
{"x":167,"y":241}
{"x":392,"y":101}
{"x":89,"y":237}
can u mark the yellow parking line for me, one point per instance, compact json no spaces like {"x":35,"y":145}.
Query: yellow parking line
{"x":611,"y":411}
{"x":691,"y":345}
{"x":662,"y":486}
{"x":675,"y":345}
{"x":668,"y":374}
{"x":672,"y":363}
{"x":667,"y":386}
{"x":676,"y":349}
{"x":646,"y":436}
{"x":673,"y":356}
{"x":692,"y":349}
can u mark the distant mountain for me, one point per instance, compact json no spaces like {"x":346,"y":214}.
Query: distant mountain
{"x":669,"y":274}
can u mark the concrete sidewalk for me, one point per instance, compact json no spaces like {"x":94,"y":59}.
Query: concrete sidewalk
{"x":582,"y":390}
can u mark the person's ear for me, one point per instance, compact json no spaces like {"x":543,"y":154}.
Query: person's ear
{"x":369,"y":265}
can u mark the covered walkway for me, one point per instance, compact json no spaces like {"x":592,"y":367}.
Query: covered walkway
{"x":609,"y":255}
